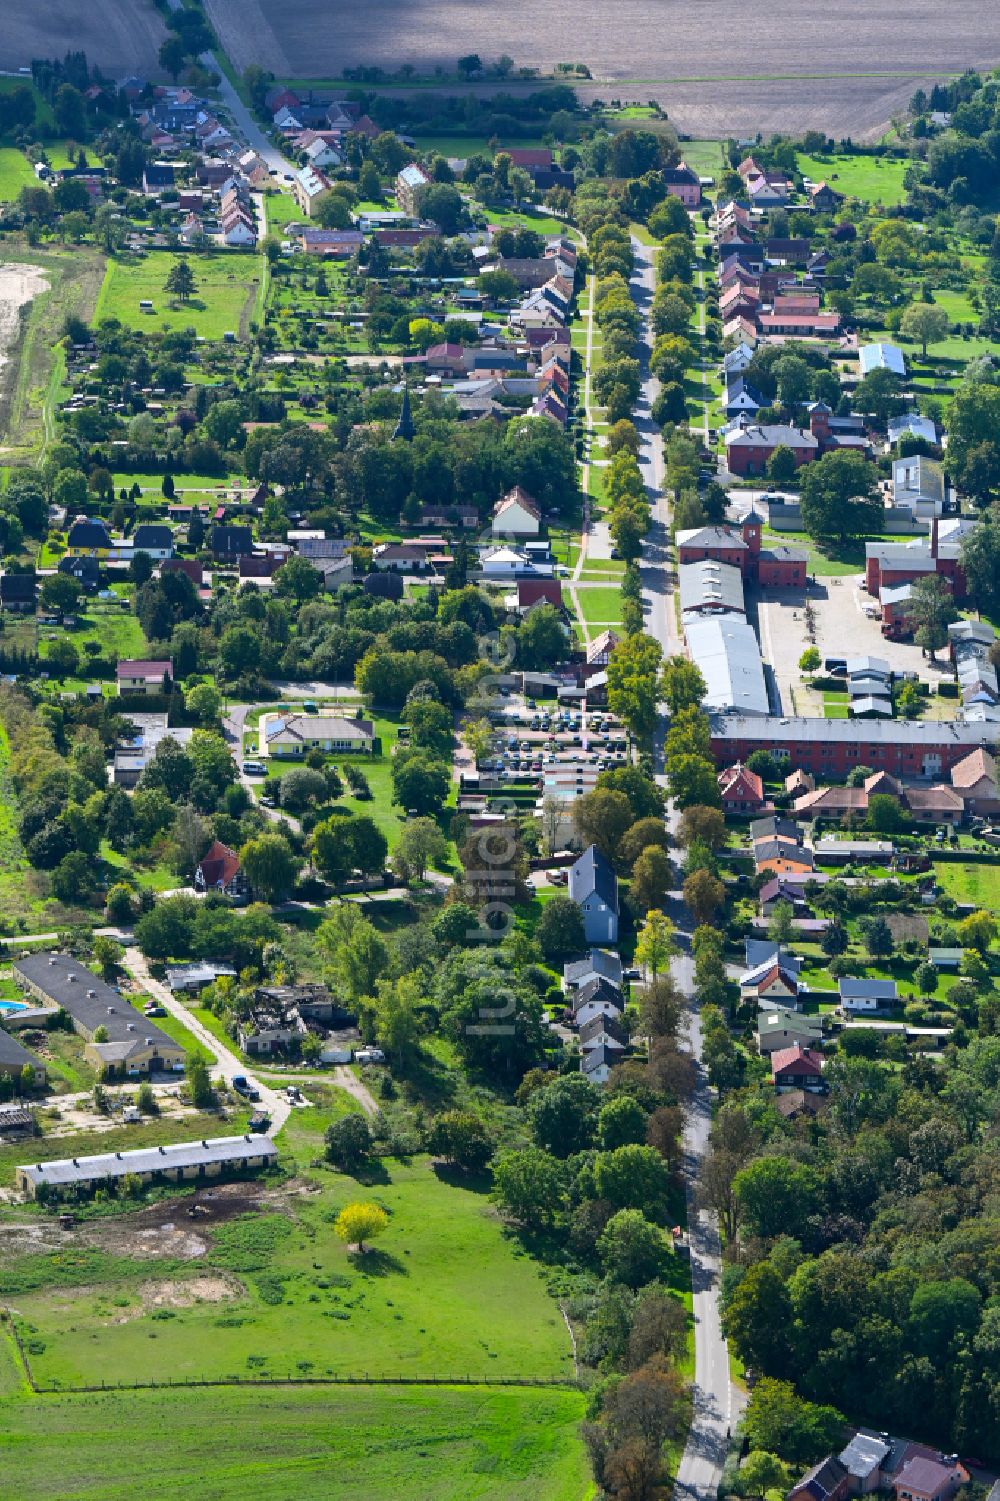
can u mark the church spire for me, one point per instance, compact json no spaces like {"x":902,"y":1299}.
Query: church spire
{"x":404,"y":427}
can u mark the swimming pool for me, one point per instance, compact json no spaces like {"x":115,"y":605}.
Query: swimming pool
{"x":12,"y":1006}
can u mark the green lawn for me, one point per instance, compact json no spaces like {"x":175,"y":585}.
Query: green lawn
{"x":153,"y":1132}
{"x":600,"y":606}
{"x":875,"y":179}
{"x":16,"y":172}
{"x":318,"y":1444}
{"x":445,"y":1294}
{"x":281,"y":209}
{"x":116,"y":631}
{"x":226,"y":288}
{"x":977,"y":882}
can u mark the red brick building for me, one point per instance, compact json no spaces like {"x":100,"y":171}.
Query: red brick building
{"x":749,"y":448}
{"x":833,"y":747}
{"x":772,"y":567}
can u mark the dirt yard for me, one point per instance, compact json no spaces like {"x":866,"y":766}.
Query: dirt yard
{"x":19,"y":285}
{"x":120,"y":36}
{"x":791,"y":67}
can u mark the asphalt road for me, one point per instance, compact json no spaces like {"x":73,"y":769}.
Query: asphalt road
{"x":714,"y":1398}
{"x":241,"y":116}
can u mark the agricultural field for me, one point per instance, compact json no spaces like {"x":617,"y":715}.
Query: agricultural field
{"x":15,"y":173}
{"x":226,"y":291}
{"x":119,"y":34}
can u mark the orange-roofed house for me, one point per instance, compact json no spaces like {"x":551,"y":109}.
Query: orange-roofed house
{"x":742,"y":789}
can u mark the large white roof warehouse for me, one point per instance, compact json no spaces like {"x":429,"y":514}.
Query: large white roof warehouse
{"x":726,"y":651}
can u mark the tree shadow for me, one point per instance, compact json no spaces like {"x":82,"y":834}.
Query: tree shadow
{"x":456,"y":1177}
{"x":375,"y":1262}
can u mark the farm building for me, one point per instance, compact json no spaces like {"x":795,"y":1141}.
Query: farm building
{"x":183,"y":1162}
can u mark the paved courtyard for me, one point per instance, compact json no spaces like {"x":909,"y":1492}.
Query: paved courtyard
{"x":842,"y":630}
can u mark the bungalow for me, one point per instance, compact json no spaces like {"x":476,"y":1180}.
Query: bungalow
{"x":219,"y":869}
{"x":867,"y":995}
{"x":143,"y":676}
{"x":18,"y":593}
{"x":516,"y":514}
{"x":294,"y":735}
{"x":742,"y":790}
{"x":593,"y":886}
{"x":797,"y":1068}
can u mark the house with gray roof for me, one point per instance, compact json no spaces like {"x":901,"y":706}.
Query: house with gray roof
{"x":599,"y":964}
{"x":182,"y":1162}
{"x":867,"y":995}
{"x":593,"y":885}
{"x":118,"y":1037}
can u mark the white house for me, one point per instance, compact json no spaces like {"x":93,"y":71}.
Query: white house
{"x":237,"y":230}
{"x":516,"y":515}
{"x":294,"y":735}
{"x":598,"y":998}
{"x":593,"y":885}
{"x":867,"y":995}
{"x":505,"y":563}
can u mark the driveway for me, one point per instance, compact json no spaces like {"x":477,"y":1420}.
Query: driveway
{"x":224,"y":1061}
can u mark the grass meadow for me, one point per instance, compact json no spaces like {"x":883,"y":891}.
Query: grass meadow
{"x":444,"y":1294}
{"x":350,"y":1444}
{"x":226,"y":289}
{"x":873,"y":179}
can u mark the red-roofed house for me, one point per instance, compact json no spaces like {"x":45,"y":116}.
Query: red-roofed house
{"x":742,"y":790}
{"x":532,"y":592}
{"x":530,"y":157}
{"x":926,"y":1478}
{"x":797,"y":1068}
{"x":219,"y":870}
{"x":144,"y":677}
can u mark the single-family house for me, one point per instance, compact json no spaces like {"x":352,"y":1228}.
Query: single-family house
{"x":310,"y":188}
{"x":603,"y":1032}
{"x":779,"y":1028}
{"x":88,"y":538}
{"x":18,"y":592}
{"x":230,"y":543}
{"x":866,"y":995}
{"x":975,"y":778}
{"x":599,"y":997}
{"x":294,"y":735}
{"x":154,"y":539}
{"x":516,"y":515}
{"x":797,"y":1068}
{"x":596,"y":1063}
{"x":219,"y":869}
{"x":144,"y":676}
{"x":593,"y":885}
{"x":683,"y":183}
{"x":772,"y":982}
{"x":741,"y":789}
{"x":158,"y":178}
{"x":826,"y":1481}
{"x":927,"y":1477}
{"x":599,"y":964}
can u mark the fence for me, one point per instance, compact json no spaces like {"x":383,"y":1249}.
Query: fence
{"x":564,"y":1383}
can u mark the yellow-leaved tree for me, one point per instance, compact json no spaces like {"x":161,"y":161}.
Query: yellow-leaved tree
{"x":360,"y":1222}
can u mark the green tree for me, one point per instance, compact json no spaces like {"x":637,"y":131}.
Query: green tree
{"x":108,"y":955}
{"x":930,"y":611}
{"x":348,"y":1142}
{"x":693,"y":780}
{"x":810,"y":660}
{"x":562,"y":1115}
{"x":631,"y":1177}
{"x":356,"y":952}
{"x":180,"y":281}
{"x":560,"y":929}
{"x":776,"y":1196}
{"x":460,"y":1138}
{"x":631,"y":1248}
{"x":632,"y":682}
{"x":778,"y":1419}
{"x":655,"y":944}
{"x":395,"y":1016}
{"x":925,"y":323}
{"x":270,"y":865}
{"x":621,"y":1122}
{"x":420,"y":783}
{"x":199,"y":1084}
{"x":838,"y":497}
{"x":528,"y":1184}
{"x":651,"y":880}
{"x":420,"y":845}
{"x":682,"y":685}
{"x":782,"y":466}
{"x":977,"y":931}
{"x":759,"y":1473}
{"x":603,"y":817}
{"x":885,"y":815}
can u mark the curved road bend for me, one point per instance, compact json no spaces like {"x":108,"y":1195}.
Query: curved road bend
{"x":714,"y":1398}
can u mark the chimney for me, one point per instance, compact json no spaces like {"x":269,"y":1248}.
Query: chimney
{"x":934,"y":538}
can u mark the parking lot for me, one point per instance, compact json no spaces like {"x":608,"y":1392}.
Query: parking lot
{"x":547,"y":745}
{"x":842,"y":629}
